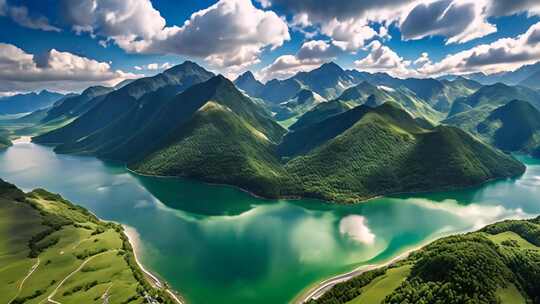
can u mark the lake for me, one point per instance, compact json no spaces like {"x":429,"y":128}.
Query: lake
{"x":217,"y":244}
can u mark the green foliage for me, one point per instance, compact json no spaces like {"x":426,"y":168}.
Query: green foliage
{"x":386,"y":151}
{"x":466,"y":268}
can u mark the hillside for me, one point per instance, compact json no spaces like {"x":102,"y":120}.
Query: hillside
{"x":52,"y":249}
{"x":320,"y":113}
{"x":498,"y":264}
{"x":25,"y":103}
{"x":494,"y":96}
{"x":213,"y":132}
{"x":386,"y":151}
{"x":76,"y":105}
{"x":116,"y":105}
{"x":513,"y":127}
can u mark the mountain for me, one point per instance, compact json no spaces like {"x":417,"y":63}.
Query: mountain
{"x":249,"y":84}
{"x":54,"y":238}
{"x":25,"y":103}
{"x":367,"y":152}
{"x":497,"y":264}
{"x":533,"y":81}
{"x":76,"y":105}
{"x":513,"y":127}
{"x":377,"y":95}
{"x":509,"y":78}
{"x":138,"y":99}
{"x":320,"y":113}
{"x":302,"y":102}
{"x":213,"y":132}
{"x":329,"y":81}
{"x":487,"y":99}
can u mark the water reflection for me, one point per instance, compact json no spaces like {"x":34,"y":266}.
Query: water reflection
{"x":218,"y":244}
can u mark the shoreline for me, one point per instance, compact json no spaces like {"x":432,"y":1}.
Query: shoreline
{"x":319,"y":289}
{"x":297,"y":197}
{"x":130,"y":232}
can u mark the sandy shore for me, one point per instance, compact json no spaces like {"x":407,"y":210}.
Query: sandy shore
{"x":322,"y":287}
{"x":133,"y":239}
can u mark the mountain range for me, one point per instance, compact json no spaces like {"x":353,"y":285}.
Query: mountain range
{"x":187,"y":122}
{"x":25,"y":103}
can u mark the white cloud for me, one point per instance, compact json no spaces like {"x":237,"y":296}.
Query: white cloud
{"x":422,"y":60}
{"x":458,"y":21}
{"x":502,"y":55}
{"x":229,"y":34}
{"x":348,"y":35}
{"x":21,"y":16}
{"x":56,"y":70}
{"x":383,"y":59}
{"x":310,"y":56}
{"x":153,"y":66}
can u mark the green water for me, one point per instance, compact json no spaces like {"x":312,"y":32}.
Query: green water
{"x":215,"y":244}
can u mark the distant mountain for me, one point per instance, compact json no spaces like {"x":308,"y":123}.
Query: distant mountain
{"x":533,"y":81}
{"x":328,"y":81}
{"x":249,"y":84}
{"x":468,"y":112}
{"x":365,"y":93}
{"x":302,"y":102}
{"x":509,"y":78}
{"x":513,"y":127}
{"x":366,"y":152}
{"x":25,"y":103}
{"x":138,"y":99}
{"x":76,"y":105}
{"x":320,"y":113}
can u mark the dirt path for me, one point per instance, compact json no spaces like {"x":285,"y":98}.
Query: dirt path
{"x":32,"y":269}
{"x":53,"y":293}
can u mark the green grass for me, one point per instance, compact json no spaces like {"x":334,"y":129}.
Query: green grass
{"x":376,"y":291}
{"x":69,"y":237}
{"x":510,"y":295}
{"x":509,"y":238}
{"x":498,"y":264}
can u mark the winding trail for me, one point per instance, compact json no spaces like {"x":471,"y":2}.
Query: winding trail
{"x":53,"y":293}
{"x":32,"y":269}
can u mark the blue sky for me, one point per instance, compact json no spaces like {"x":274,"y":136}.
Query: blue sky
{"x":105,"y":41}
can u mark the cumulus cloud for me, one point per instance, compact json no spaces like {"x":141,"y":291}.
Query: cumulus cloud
{"x":502,"y":55}
{"x":21,"y":16}
{"x":459,"y":21}
{"x":381,"y":58}
{"x":310,"y":56}
{"x":153,"y":66}
{"x":61,"y":71}
{"x":505,"y":8}
{"x":228,"y":34}
{"x":422,"y":60}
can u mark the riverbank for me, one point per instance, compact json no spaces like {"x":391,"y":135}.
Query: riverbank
{"x":133,"y":239}
{"x":319,"y":289}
